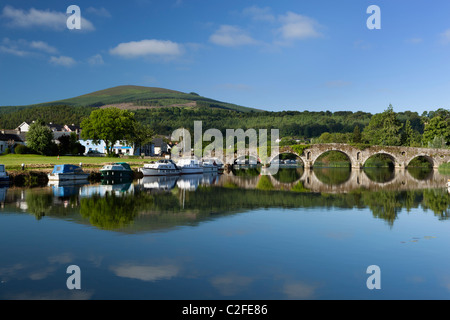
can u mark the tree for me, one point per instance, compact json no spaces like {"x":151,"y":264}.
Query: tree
{"x":109,"y":125}
{"x":140,"y":135}
{"x":40,"y":138}
{"x":437,"y":127}
{"x":68,"y":144}
{"x":357,"y":135}
{"x":408,"y":134}
{"x":384,"y":129}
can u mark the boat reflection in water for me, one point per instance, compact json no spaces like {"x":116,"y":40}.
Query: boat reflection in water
{"x":159,"y":182}
{"x":3,"y":191}
{"x":188,"y":182}
{"x":67,"y":188}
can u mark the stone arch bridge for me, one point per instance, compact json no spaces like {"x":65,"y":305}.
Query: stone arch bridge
{"x":400,"y":156}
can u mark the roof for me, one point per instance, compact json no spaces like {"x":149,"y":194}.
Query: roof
{"x":124,"y":164}
{"x":66,"y":168}
{"x":159,"y":142}
{"x":55,"y":127}
{"x":9,"y":136}
{"x":73,"y":127}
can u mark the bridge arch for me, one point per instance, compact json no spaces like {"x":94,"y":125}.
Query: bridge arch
{"x":277,"y":156}
{"x":336,"y":151}
{"x":429,"y":158}
{"x":389,"y":155}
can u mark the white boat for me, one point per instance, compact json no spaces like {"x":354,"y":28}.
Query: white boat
{"x":190,"y":166}
{"x":67,"y":172}
{"x":164,"y":167}
{"x":159,"y":182}
{"x":3,"y":174}
{"x":209,"y":166}
{"x":189,"y":182}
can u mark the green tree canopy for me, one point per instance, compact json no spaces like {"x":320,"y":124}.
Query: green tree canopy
{"x":40,"y":138}
{"x":439,"y":127}
{"x":109,"y":125}
{"x":141,"y":134}
{"x":384,"y":129}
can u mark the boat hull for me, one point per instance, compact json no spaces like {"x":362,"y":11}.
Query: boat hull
{"x":4,"y":180}
{"x":119,"y":174}
{"x":67,"y":177}
{"x":191,"y":170}
{"x":159,"y":172}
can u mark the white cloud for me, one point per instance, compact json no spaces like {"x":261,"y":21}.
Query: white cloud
{"x":231,"y":36}
{"x":23,"y":47}
{"x":178,"y":3}
{"x":231,"y":284}
{"x":43,"y":46}
{"x":259,"y":14}
{"x":96,"y":60}
{"x":286,"y":28}
{"x":62,"y":61}
{"x":101,"y":12}
{"x":414,"y":40}
{"x":146,"y":273}
{"x":445,"y":36}
{"x":299,"y":291}
{"x":298,"y":27}
{"x":134,"y":49}
{"x":34,"y":18}
{"x":14,"y":51}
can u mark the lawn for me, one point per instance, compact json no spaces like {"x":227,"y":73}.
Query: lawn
{"x":31,"y":161}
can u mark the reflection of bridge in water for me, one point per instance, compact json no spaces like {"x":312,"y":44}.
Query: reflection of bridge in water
{"x":401,"y":180}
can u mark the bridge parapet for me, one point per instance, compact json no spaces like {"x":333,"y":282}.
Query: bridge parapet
{"x":401,"y":156}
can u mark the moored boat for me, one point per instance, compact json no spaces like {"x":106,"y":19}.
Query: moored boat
{"x":209,"y":166}
{"x":163,"y":167}
{"x":119,"y":170}
{"x":67,"y":172}
{"x":190,"y":166}
{"x":4,"y":177}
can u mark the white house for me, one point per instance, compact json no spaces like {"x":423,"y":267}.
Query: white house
{"x":9,"y":139}
{"x":118,"y":148}
{"x":24,"y":127}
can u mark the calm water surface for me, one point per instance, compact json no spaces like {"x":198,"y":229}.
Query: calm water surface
{"x":242,"y":235}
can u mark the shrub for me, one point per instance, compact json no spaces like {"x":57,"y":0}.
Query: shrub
{"x":22,"y":149}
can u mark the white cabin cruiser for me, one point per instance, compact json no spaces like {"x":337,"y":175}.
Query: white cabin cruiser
{"x":190,"y":166}
{"x":67,"y":172}
{"x":163,"y":167}
{"x":209,"y":166}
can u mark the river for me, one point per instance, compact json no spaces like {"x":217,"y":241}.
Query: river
{"x":241,"y":235}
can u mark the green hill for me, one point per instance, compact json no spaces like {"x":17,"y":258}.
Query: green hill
{"x":138,"y":97}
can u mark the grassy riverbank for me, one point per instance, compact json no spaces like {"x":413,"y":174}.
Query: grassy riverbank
{"x":13,"y":162}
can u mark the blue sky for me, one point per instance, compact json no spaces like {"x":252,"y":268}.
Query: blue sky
{"x":274,"y":55}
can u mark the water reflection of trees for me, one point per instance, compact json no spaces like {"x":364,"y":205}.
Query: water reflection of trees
{"x":420,"y":173}
{"x":288,"y":175}
{"x":112,"y":211}
{"x":332,"y":176}
{"x":381,"y":175}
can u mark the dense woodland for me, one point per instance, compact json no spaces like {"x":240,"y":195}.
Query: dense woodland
{"x":385,"y":128}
